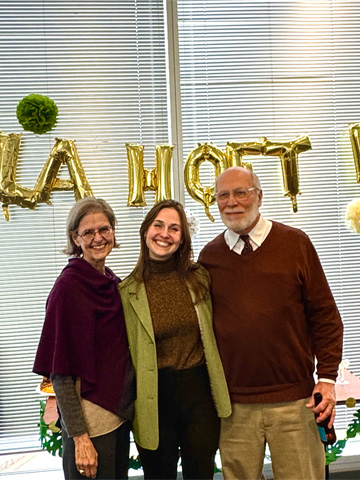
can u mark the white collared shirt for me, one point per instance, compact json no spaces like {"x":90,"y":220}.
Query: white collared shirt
{"x":257,"y":236}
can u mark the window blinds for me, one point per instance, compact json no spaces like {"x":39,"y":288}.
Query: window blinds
{"x":247,"y":70}
{"x":279,"y":70}
{"x":103,"y":63}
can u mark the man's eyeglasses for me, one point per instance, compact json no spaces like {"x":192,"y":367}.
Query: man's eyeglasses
{"x":239,"y":194}
{"x":89,"y":235}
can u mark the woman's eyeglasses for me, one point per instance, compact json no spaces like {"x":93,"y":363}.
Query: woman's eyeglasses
{"x":89,"y":235}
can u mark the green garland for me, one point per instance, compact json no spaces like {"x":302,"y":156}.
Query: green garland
{"x":51,"y":440}
{"x":37,"y":113}
{"x":134,"y":462}
{"x":333,"y":452}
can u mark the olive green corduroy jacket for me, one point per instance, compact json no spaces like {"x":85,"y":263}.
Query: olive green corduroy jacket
{"x":143,"y":353}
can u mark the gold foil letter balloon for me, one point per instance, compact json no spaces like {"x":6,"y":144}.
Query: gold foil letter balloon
{"x":236,"y":151}
{"x":288,"y":153}
{"x":10,"y":191}
{"x":355,"y":144}
{"x":141,"y":179}
{"x":9,"y":151}
{"x":163,"y":172}
{"x":200,"y":193}
{"x":64,"y":152}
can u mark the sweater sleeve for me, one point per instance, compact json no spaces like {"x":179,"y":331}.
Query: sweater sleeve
{"x":323,"y":317}
{"x":72,"y":417}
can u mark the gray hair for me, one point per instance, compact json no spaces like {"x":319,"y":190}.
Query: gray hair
{"x":78,"y":211}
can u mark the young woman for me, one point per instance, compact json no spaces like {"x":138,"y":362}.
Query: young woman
{"x":181,"y":387}
{"x":84,"y":349}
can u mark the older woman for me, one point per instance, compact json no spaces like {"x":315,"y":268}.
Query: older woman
{"x":181,"y":385}
{"x":84,"y":349}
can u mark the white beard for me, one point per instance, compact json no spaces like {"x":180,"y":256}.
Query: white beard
{"x":242,"y":224}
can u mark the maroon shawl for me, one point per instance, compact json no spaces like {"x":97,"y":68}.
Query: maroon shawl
{"x":84,"y":333}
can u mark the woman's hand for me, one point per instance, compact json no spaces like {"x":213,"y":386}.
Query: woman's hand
{"x":86,"y":457}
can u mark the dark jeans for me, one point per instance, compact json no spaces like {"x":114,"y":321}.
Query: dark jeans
{"x":187,"y":421}
{"x":113,"y":455}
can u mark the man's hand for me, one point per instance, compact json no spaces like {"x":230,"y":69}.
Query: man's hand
{"x":86,"y":457}
{"x":326,"y":408}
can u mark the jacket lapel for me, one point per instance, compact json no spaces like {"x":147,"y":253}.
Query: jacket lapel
{"x":139,"y":302}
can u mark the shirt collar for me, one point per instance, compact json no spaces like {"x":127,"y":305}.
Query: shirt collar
{"x":257,"y":234}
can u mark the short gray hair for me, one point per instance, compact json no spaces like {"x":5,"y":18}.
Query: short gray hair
{"x":78,"y":211}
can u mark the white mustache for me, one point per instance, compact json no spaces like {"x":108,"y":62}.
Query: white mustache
{"x":232,"y":211}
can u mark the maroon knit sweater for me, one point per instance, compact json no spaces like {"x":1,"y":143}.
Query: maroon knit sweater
{"x":273,"y":312}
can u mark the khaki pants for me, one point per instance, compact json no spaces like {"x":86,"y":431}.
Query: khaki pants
{"x":291,"y":433}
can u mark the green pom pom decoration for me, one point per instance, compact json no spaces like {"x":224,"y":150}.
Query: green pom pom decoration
{"x":37,"y":113}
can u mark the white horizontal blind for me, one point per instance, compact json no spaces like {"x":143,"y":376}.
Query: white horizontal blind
{"x":281,"y":69}
{"x":103,"y":63}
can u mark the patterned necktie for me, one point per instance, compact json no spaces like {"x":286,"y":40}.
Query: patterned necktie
{"x":247,"y":247}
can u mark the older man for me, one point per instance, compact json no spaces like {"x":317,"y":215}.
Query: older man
{"x":273,"y":315}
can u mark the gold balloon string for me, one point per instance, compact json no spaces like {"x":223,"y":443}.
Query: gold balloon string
{"x":210,"y":217}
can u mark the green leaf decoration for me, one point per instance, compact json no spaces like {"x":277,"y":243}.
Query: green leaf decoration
{"x":134,"y":462}
{"x":333,"y":452}
{"x":51,"y":441}
{"x":37,"y":113}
